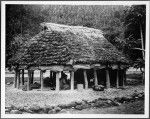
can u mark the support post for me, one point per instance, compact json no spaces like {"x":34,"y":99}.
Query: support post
{"x":18,"y":79}
{"x":95,"y":77}
{"x":51,"y":74}
{"x":28,"y":82}
{"x":117,"y":80}
{"x":41,"y":79}
{"x":124,"y":77}
{"x":107,"y":78}
{"x":40,"y":76}
{"x":20,"y":72}
{"x":57,"y":81}
{"x":22,"y":76}
{"x":54,"y":77}
{"x":72,"y":80}
{"x":85,"y":79}
{"x":15,"y":79}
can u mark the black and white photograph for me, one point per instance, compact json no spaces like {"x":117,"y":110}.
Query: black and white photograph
{"x":75,"y":59}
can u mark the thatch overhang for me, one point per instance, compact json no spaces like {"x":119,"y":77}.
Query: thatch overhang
{"x":62,"y":45}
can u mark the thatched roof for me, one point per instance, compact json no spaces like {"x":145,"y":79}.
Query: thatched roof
{"x":62,"y":44}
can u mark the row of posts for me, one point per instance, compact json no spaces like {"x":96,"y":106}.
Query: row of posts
{"x":19,"y":81}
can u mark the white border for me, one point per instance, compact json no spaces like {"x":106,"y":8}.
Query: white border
{"x":78,"y":2}
{"x":3,"y":115}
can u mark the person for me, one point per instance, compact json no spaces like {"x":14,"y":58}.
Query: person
{"x":63,"y":81}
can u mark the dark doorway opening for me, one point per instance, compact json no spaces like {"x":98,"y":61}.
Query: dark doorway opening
{"x":113,"y":77}
{"x":78,"y":78}
{"x":90,"y":77}
{"x":101,"y":75}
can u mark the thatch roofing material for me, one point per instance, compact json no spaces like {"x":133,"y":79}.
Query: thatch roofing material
{"x":62,"y":44}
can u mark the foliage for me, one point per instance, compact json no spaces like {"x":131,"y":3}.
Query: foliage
{"x":21,"y":24}
{"x":139,"y":63}
{"x":135,"y":23}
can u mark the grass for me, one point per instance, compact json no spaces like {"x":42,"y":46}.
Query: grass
{"x":137,"y":76}
{"x":11,"y":79}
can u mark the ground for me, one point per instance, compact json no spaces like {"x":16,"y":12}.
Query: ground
{"x":21,"y":98}
{"x":130,"y":108}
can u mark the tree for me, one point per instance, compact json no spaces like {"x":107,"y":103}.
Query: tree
{"x":22,"y":22}
{"x":114,"y":30}
{"x":135,"y":23}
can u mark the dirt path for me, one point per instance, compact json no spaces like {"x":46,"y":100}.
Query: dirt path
{"x":136,"y":107}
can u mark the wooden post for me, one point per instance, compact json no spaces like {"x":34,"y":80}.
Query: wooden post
{"x":117,"y":80}
{"x":20,"y":72}
{"x":40,"y":76}
{"x":124,"y":77}
{"x":107,"y":78}
{"x":18,"y":79}
{"x":15,"y":79}
{"x":51,"y":74}
{"x":41,"y":79}
{"x":52,"y":78}
{"x":22,"y":76}
{"x":28,"y":82}
{"x":85,"y":79}
{"x":95,"y":77}
{"x":72,"y":80}
{"x":57,"y":81}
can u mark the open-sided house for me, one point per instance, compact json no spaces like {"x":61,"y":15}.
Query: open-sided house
{"x":84,"y":52}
